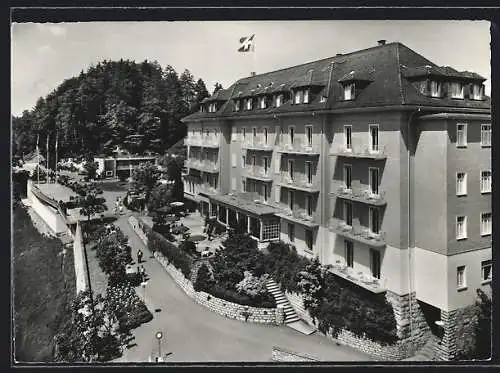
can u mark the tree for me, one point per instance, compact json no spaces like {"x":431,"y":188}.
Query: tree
{"x":310,"y":282}
{"x":161,"y":196}
{"x":91,"y":334}
{"x":114,"y":253}
{"x":217,"y":88}
{"x":145,"y":178}
{"x":90,"y":167}
{"x":201,"y":92}
{"x":90,"y":201}
{"x":204,"y":279}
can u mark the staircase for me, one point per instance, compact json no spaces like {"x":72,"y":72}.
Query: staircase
{"x":291,"y":318}
{"x":427,"y":352}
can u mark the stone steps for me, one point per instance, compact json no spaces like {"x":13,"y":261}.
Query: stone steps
{"x":291,"y":318}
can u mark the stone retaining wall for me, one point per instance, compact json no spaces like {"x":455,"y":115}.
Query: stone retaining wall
{"x":283,"y":354}
{"x":297,"y":302}
{"x":225,"y":308}
{"x":457,"y":329}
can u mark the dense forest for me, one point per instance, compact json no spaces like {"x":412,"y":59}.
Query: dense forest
{"x":135,"y":105}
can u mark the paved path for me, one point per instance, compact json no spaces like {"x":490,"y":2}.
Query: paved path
{"x":193,"y":333}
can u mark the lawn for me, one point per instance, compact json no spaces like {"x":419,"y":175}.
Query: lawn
{"x":43,"y":289}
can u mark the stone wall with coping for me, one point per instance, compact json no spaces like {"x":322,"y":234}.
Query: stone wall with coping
{"x":283,"y":354}
{"x":225,"y":308}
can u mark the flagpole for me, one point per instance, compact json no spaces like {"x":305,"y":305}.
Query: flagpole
{"x":38,"y":160}
{"x":57,"y":138}
{"x":47,"y":162}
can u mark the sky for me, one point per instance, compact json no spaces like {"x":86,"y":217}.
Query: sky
{"x":44,"y":54}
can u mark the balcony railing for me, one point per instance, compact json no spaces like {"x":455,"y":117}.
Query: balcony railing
{"x":360,"y":195}
{"x":258,"y":172}
{"x":203,"y":141}
{"x":357,"y":233}
{"x":364,"y":280}
{"x":299,"y":146}
{"x":299,"y":182}
{"x":258,"y":144}
{"x":299,"y":216}
{"x":203,"y":165}
{"x":205,"y":188}
{"x":366,"y":151}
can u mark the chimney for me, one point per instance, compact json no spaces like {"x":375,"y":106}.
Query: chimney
{"x":338,"y":54}
{"x":381,"y":42}
{"x":252,"y":73}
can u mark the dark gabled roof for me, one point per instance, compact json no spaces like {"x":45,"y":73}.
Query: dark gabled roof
{"x":220,"y":95}
{"x":389,"y":68}
{"x":440,"y":72}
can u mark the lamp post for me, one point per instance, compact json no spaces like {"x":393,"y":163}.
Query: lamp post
{"x":159,"y":336}
{"x":143,"y":284}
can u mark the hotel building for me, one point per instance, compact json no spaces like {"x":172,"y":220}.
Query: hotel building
{"x":376,"y":161}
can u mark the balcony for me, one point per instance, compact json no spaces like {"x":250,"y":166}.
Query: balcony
{"x":360,"y":195}
{"x":365,"y":151}
{"x":209,"y":141}
{"x":300,"y":146}
{"x":258,"y":173}
{"x":258,"y":144}
{"x":361,"y":279}
{"x":299,"y":182}
{"x":298,"y":216}
{"x":205,"y":188}
{"x":203,"y":165}
{"x":357,"y":233}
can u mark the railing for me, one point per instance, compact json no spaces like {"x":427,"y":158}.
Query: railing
{"x":300,"y":146}
{"x":357,"y":233}
{"x":203,"y":141}
{"x":205,"y":188}
{"x":360,"y":195}
{"x":297,"y":215}
{"x":257,"y":172}
{"x":299,"y":181}
{"x":258,"y":143}
{"x":202,"y":165}
{"x":365,"y":151}
{"x":364,"y":280}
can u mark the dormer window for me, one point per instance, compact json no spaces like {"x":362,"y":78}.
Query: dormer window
{"x":249,"y":104}
{"x":237,"y":106}
{"x":262,"y":102}
{"x":349,"y":92}
{"x":279,"y":100}
{"x":306,"y":96}
{"x":477,"y":92}
{"x":202,"y":108}
{"x":212,"y":108}
{"x":322,"y":99}
{"x":435,"y":89}
{"x":297,"y":97}
{"x":456,"y":90}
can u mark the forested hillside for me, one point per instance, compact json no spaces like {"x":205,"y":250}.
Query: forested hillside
{"x":135,"y":105}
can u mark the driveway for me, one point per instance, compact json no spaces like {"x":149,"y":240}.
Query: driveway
{"x":193,"y":333}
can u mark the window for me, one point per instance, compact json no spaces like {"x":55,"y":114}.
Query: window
{"x":254,"y":161}
{"x":374,"y":220}
{"x":485,"y":135}
{"x":233,"y":159}
{"x":309,"y":205}
{"x":485,"y":181}
{"x":309,"y":172}
{"x":277,"y":194}
{"x":486,"y":273}
{"x":297,"y":97}
{"x":461,"y":184}
{"x":243,"y":161}
{"x":461,"y":280}
{"x":291,"y":132}
{"x":461,"y":227}
{"x":461,"y":134}
{"x":349,"y":91}
{"x":291,"y":232}
{"x":456,"y":90}
{"x":277,"y":131}
{"x":254,"y":135}
{"x":375,"y":263}
{"x":233,"y":183}
{"x":374,"y":138}
{"x":347,"y":176}
{"x":237,"y":106}
{"x":249,"y":104}
{"x":374,"y":181}
{"x":477,"y":92}
{"x":435,"y":89}
{"x":322,"y":99}
{"x":279,"y":100}
{"x":349,"y":253}
{"x":485,"y":223}
{"x":309,"y":132}
{"x":262,"y":102}
{"x":243,"y":185}
{"x":265,"y":191}
{"x":265,"y":136}
{"x":306,"y":96}
{"x":109,"y":173}
{"x":309,"y":239}
{"x":266,"y":165}
{"x":348,"y":213}
{"x":290,"y":169}
{"x":244,"y":133}
{"x":348,"y":137}
{"x":277,"y":164}
{"x":290,"y":200}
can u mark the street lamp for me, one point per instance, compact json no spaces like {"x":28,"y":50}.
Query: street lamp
{"x":159,"y":336}
{"x":143,"y":284}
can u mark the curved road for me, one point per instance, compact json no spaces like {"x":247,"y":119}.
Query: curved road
{"x":193,"y":333}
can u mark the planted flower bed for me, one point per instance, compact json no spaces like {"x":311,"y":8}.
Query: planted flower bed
{"x":129,"y":309}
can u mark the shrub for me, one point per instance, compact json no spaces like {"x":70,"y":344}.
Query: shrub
{"x":177,"y":257}
{"x":189,"y":248}
{"x":204,"y":280}
{"x":251,"y":285}
{"x":284,"y":264}
{"x":265,"y":300}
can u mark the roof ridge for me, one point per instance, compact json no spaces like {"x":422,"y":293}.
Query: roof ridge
{"x":339,"y":57}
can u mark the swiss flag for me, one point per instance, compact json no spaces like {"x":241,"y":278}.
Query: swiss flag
{"x":245,"y":43}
